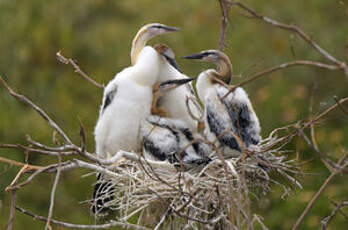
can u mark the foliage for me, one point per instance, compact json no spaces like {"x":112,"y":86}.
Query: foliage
{"x":98,"y":34}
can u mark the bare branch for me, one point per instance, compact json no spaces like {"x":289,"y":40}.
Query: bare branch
{"x":280,"y":67}
{"x":341,"y":101}
{"x":224,"y":14}
{"x":52,"y":152}
{"x":340,"y":211}
{"x":83,"y":226}
{"x":20,"y":164}
{"x":78,"y":70}
{"x":341,"y":65}
{"x":37,"y":109}
{"x":53,"y":192}
{"x":319,"y":192}
{"x":341,"y":106}
{"x":325,"y":222}
{"x":12,"y":209}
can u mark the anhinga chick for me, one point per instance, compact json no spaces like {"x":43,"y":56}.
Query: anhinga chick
{"x":227,"y":118}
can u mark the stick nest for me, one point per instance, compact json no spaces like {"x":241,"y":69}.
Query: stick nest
{"x":203,"y":197}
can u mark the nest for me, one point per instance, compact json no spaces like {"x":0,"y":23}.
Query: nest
{"x":210,"y":196}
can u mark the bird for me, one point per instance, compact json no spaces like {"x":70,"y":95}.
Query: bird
{"x":128,"y":96}
{"x":171,"y":140}
{"x":174,"y":101}
{"x":225,"y":117}
{"x":127,"y":101}
{"x":160,"y":89}
{"x":166,"y":138}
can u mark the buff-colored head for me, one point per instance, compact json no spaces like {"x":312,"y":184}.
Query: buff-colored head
{"x":145,"y":34}
{"x":164,"y":50}
{"x":223,"y":63}
{"x":168,"y":54}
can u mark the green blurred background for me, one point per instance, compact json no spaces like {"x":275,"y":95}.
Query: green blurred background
{"x":98,"y":35}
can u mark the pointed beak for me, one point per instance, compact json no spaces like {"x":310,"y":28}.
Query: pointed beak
{"x":194,"y":56}
{"x":172,"y":84}
{"x":170,"y":28}
{"x":172,"y":62}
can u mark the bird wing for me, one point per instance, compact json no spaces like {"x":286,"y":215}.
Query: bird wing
{"x":243,"y":117}
{"x":109,"y":96}
{"x":219,"y":121}
{"x":159,"y":141}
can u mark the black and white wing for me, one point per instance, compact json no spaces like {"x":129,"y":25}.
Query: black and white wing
{"x":172,"y":140}
{"x":109,"y":95}
{"x":197,"y":152}
{"x":219,"y":122}
{"x":243,"y":117}
{"x":159,"y":141}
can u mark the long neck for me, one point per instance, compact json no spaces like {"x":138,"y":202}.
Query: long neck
{"x":146,"y":69}
{"x":224,"y":69}
{"x":138,"y":44}
{"x":204,"y":83}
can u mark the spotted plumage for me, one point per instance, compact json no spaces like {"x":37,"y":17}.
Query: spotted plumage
{"x":172,"y":140}
{"x":229,"y":119}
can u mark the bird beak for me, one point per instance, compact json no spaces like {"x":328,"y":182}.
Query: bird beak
{"x":170,"y":28}
{"x":172,"y":84}
{"x":194,"y":56}
{"x":172,"y":62}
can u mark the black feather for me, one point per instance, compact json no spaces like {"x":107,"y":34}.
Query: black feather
{"x":108,"y":98}
{"x":103,"y":193}
{"x":217,"y":127}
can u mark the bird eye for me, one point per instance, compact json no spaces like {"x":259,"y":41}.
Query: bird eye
{"x":157,"y":27}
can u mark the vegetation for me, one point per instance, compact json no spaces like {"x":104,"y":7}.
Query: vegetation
{"x":98,"y":34}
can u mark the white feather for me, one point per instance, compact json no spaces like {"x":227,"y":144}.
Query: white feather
{"x":118,"y":126}
{"x":211,"y":95}
{"x":174,"y":101}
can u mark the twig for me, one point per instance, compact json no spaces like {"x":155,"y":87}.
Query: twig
{"x":224,"y":14}
{"x":341,"y":65}
{"x":325,"y":222}
{"x":15,"y":180}
{"x":37,"y":109}
{"x":83,"y":164}
{"x":317,"y":195}
{"x":197,"y":106}
{"x":164,"y":217}
{"x":20,"y":164}
{"x":31,"y":177}
{"x":12,"y":209}
{"x":341,"y":106}
{"x":280,"y":67}
{"x":314,"y":143}
{"x":340,"y":211}
{"x":33,"y":150}
{"x":326,"y":161}
{"x":53,"y":192}
{"x":83,"y":226}
{"x":341,"y":101}
{"x":78,"y":70}
{"x":258,"y":220}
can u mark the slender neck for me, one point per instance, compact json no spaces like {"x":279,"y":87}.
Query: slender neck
{"x":224,"y":69}
{"x":204,"y":83}
{"x":138,"y":44}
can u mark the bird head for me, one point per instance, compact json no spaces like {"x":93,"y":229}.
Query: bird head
{"x":213,"y":56}
{"x":168,"y":54}
{"x":223,"y":63}
{"x":147,"y":32}
{"x":155,"y":29}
